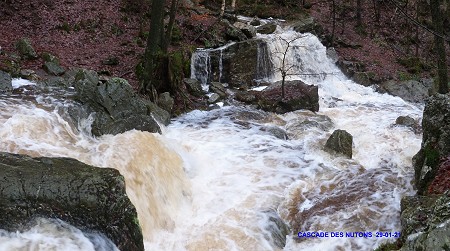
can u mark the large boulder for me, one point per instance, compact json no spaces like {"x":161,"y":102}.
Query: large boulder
{"x":340,"y":142}
{"x":89,"y":198}
{"x":268,"y":28}
{"x":410,"y":90}
{"x":435,"y":142}
{"x":306,"y":24}
{"x":232,"y":33}
{"x":298,"y":96}
{"x":425,"y":222}
{"x":248,"y":30}
{"x":5,"y":82}
{"x":116,"y":106}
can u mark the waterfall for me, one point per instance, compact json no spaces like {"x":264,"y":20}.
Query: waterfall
{"x":214,"y":179}
{"x":264,"y":68}
{"x":201,"y":66}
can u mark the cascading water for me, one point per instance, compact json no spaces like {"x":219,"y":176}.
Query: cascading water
{"x":215,"y":179}
{"x":201,"y":66}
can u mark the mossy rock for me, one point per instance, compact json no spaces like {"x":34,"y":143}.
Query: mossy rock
{"x":25,"y":49}
{"x":90,"y":198}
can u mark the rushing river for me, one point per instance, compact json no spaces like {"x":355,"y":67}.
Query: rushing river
{"x":221,"y":179}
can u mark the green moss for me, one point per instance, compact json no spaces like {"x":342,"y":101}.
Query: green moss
{"x":405,"y":76}
{"x":431,"y":156}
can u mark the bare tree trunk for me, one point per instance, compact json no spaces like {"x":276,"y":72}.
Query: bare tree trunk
{"x":233,"y":5}
{"x":168,"y":36}
{"x":154,"y":44}
{"x":222,"y":8}
{"x":438,"y":24}
{"x":359,"y":13}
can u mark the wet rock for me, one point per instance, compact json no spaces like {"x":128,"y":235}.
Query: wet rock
{"x":246,"y":97}
{"x":232,"y":33}
{"x":306,"y":24}
{"x":165,"y":101}
{"x":340,"y":142}
{"x":248,"y":30}
{"x":26,"y":51}
{"x":435,"y":141}
{"x":425,"y":222}
{"x":277,"y":228}
{"x":194,"y":87}
{"x":53,"y":68}
{"x":29,"y":75}
{"x":332,"y":54}
{"x":5,"y":82}
{"x":255,"y":22}
{"x":218,"y":88}
{"x":350,"y":67}
{"x":406,"y":121}
{"x":411,"y":90}
{"x":275,"y":131}
{"x":214,"y":98}
{"x":117,"y":107}
{"x":298,"y":96}
{"x":87,"y":197}
{"x":268,"y":28}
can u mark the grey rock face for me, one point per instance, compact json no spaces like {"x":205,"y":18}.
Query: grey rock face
{"x":425,"y":222}
{"x":435,"y":141}
{"x":87,"y":197}
{"x":117,"y":107}
{"x":340,"y":142}
{"x":5,"y":82}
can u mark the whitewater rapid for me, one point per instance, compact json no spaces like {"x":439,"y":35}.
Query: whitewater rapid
{"x":222,"y":179}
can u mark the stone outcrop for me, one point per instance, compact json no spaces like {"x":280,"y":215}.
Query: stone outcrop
{"x":194,"y":87}
{"x":268,"y":28}
{"x":298,"y":96}
{"x":89,"y":198}
{"x":435,"y":142}
{"x":117,"y":107}
{"x":340,"y":142}
{"x":425,"y":217}
{"x":425,"y":222}
{"x":248,"y":30}
{"x":410,"y":90}
{"x":5,"y":82}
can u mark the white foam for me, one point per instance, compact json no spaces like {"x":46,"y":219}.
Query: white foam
{"x":19,"y":82}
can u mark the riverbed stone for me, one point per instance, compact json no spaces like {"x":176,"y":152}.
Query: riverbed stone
{"x":5,"y":82}
{"x":90,"y":198}
{"x":268,"y":28}
{"x":116,"y":106}
{"x":194,"y":87}
{"x":298,"y":96}
{"x":340,"y":142}
{"x":53,"y":68}
{"x":410,"y":90}
{"x":248,"y":30}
